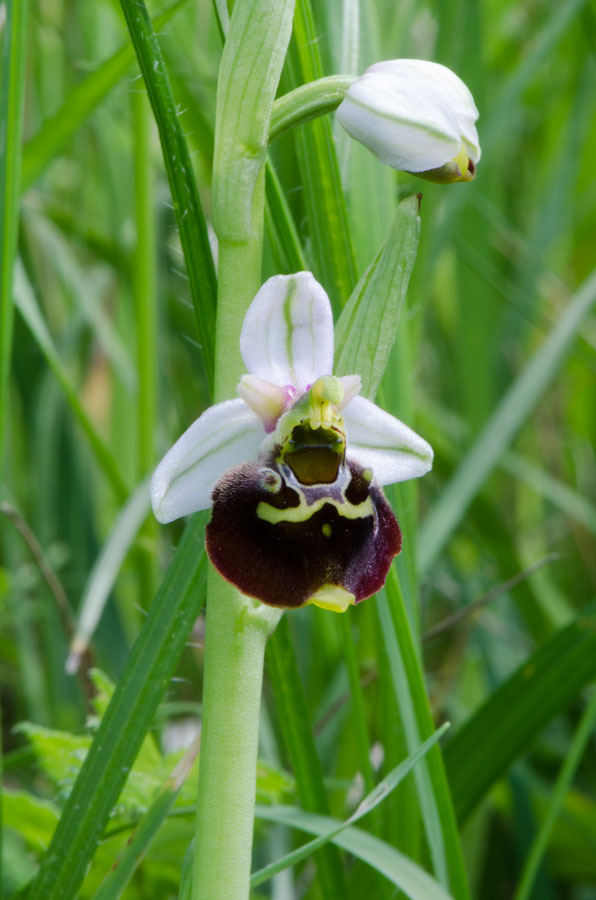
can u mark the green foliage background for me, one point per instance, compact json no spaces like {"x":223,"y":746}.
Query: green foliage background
{"x":494,"y":364}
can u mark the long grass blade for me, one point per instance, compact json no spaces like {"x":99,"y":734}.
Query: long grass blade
{"x":370,"y":802}
{"x":29,"y":310}
{"x":105,"y":571}
{"x":432,"y":786}
{"x":12,"y":88}
{"x":328,"y":221}
{"x":402,"y":872}
{"x":509,"y":721}
{"x":583,"y":733}
{"x":56,"y":131}
{"x":293,"y":712}
{"x":511,"y":414}
{"x":185,"y":196}
{"x":125,"y":723}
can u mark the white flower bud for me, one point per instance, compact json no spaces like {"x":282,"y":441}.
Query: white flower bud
{"x":416,"y":116}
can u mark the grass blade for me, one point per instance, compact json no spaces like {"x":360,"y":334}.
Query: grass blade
{"x":372,"y":800}
{"x":12,"y":90}
{"x":431,"y":782}
{"x":117,"y":879}
{"x":105,"y":571}
{"x":404,"y":874}
{"x":334,"y":261}
{"x":56,"y":131}
{"x":292,"y":708}
{"x":29,"y":310}
{"x":508,"y":722}
{"x":185,"y":195}
{"x":125,"y":723}
{"x":511,"y":414}
{"x":572,"y":760}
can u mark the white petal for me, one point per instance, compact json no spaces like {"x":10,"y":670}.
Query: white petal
{"x":287,"y":334}
{"x":225,"y":435}
{"x":412,"y":114}
{"x":381,"y":442}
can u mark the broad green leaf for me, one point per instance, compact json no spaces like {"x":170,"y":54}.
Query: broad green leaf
{"x":367,"y":327}
{"x":34,"y":819}
{"x":509,"y":721}
{"x":122,"y":730}
{"x":185,"y":196}
{"x":402,"y":872}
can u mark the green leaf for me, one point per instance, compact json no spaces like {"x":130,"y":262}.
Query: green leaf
{"x":367,"y":327}
{"x":183,"y":186}
{"x":508,"y":722}
{"x":258,"y":31}
{"x":120,"y":735}
{"x":402,"y":872}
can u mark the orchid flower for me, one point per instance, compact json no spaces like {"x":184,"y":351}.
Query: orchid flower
{"x":417,"y":116}
{"x":293,"y":467}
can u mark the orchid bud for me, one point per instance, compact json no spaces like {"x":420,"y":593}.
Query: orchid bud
{"x":416,"y":116}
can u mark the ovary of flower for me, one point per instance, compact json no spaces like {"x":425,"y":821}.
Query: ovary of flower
{"x":417,"y":116}
{"x":296,"y":452}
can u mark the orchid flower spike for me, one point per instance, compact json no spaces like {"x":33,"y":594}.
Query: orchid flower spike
{"x":416,"y":116}
{"x":293,"y":467}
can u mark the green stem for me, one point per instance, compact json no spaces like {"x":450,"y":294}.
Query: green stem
{"x":235,"y":640}
{"x":309,"y":101}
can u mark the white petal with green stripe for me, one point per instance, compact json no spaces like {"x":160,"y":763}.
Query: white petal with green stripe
{"x":381,"y":442}
{"x":225,"y":435}
{"x":287,"y":335}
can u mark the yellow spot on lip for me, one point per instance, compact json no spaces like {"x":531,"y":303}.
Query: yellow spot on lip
{"x":326,"y":529}
{"x":332,"y":597}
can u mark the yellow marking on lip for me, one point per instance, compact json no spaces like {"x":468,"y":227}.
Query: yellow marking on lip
{"x":303,"y":512}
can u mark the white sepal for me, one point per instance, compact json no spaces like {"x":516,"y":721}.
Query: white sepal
{"x":287,"y":334}
{"x":379,"y":441}
{"x":225,"y":435}
{"x":414,"y":115}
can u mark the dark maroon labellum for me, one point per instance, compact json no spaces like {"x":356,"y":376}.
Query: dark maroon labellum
{"x":281,"y":540}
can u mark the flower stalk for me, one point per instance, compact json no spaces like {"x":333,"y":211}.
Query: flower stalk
{"x":236,"y":628}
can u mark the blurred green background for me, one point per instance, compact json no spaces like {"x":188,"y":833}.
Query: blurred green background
{"x":495,"y":365}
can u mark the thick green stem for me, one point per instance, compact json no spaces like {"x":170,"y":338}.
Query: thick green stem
{"x":236,"y":634}
{"x":239,"y":281}
{"x":235,"y":639}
